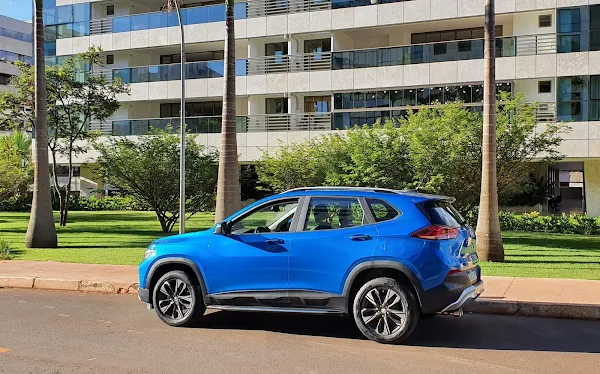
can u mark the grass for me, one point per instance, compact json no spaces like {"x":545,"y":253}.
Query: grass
{"x":118,"y":238}
{"x":121,"y":238}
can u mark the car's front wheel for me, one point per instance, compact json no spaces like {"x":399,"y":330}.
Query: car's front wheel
{"x":385,"y":311}
{"x":177,"y":299}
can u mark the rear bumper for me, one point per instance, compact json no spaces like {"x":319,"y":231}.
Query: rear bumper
{"x":452,"y":293}
{"x":469,"y":293}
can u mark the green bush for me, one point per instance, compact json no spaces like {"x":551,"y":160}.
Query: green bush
{"x":76,"y":203}
{"x":21,"y":203}
{"x":535,"y":222}
{"x":5,"y":250}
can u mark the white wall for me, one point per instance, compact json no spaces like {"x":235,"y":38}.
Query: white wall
{"x":528,"y":23}
{"x":341,"y":41}
{"x":529,"y":87}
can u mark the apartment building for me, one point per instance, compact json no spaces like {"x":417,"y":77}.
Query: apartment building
{"x":309,"y":67}
{"x":16,"y":44}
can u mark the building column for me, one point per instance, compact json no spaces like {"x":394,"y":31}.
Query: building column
{"x":591,"y":170}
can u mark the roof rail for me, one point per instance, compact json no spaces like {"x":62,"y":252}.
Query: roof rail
{"x":333,"y":188}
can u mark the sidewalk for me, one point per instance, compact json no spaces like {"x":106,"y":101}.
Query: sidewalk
{"x":567,"y":298}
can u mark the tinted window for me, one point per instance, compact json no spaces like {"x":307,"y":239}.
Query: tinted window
{"x":333,"y":213}
{"x":381,"y":210}
{"x":276,"y":217}
{"x":440,"y":212}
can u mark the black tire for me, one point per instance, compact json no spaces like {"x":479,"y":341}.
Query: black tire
{"x":185,"y":305}
{"x":381,"y":323}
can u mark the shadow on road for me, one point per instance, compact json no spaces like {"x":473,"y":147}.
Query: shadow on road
{"x":469,"y":332}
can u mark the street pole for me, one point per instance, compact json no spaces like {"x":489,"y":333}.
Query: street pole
{"x":182,"y":128}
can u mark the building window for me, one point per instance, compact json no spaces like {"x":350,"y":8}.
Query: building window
{"x":545,"y":87}
{"x":545,"y":20}
{"x":317,"y":104}
{"x":4,"y":78}
{"x":449,"y":35}
{"x":110,"y":59}
{"x":110,"y":10}
{"x":278,"y":105}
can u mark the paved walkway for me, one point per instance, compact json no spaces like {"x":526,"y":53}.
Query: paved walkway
{"x":537,"y":290}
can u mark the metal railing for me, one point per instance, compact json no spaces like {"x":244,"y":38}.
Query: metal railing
{"x":108,"y":73}
{"x":535,"y":44}
{"x":289,"y":122}
{"x":101,"y":26}
{"x":261,"y":8}
{"x":289,"y":63}
{"x":212,"y":124}
{"x":546,"y":112}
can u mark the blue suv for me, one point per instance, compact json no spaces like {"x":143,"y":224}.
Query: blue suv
{"x":384,"y":257}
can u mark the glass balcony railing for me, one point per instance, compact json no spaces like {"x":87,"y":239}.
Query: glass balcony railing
{"x":190,"y":16}
{"x":171,"y":72}
{"x":212,"y":124}
{"x":421,"y":53}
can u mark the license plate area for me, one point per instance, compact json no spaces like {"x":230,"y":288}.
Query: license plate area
{"x":472,"y":276}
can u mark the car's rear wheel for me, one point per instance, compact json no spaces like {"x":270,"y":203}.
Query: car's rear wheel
{"x":177,"y":299}
{"x":385,"y":311}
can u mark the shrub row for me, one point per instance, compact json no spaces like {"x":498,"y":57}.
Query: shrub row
{"x":77,"y":203}
{"x":535,"y":222}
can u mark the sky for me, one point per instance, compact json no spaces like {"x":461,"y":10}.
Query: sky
{"x":19,"y":9}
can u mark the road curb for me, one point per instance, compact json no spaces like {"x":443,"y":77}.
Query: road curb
{"x":532,"y":309}
{"x":58,"y":284}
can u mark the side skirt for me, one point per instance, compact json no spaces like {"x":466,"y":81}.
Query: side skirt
{"x":274,"y":309}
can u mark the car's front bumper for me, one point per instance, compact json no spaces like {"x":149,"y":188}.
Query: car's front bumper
{"x":469,"y":293}
{"x":144,"y":295}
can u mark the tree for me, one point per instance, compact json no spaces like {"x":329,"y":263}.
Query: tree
{"x":435,"y":149}
{"x":489,"y":237}
{"x":41,"y":232}
{"x":373,"y":156}
{"x":74,"y":98}
{"x":445,"y":149}
{"x":146,"y":168}
{"x":228,"y":187}
{"x":16,"y":172}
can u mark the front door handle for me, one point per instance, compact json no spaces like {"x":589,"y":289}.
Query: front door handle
{"x":275,"y":241}
{"x":360,"y":237}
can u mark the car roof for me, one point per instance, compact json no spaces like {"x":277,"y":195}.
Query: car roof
{"x":362,"y":192}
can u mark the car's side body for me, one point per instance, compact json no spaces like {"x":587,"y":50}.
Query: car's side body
{"x":318,"y":271}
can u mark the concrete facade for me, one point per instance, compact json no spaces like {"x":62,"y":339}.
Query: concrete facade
{"x":292,"y":58}
{"x":15,"y":44}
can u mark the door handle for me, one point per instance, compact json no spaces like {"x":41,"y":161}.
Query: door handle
{"x":274,"y":241}
{"x":360,"y":237}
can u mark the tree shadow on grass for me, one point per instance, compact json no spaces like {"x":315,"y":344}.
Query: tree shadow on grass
{"x":484,"y":331}
{"x":525,"y":262}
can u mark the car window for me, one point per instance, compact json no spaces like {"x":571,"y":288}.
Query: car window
{"x":333,"y":213}
{"x":382,"y":210}
{"x":275,"y":217}
{"x":441,"y":212}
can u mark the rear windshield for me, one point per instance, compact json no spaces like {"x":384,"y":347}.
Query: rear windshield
{"x":441,"y":212}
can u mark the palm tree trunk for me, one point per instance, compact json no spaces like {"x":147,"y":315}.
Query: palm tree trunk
{"x":489,"y":238}
{"x":228,"y":185}
{"x":41,"y":232}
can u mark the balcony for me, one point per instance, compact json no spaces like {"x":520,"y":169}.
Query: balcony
{"x":172,"y":72}
{"x":289,"y":63}
{"x":442,"y":52}
{"x":262,"y":8}
{"x":156,"y":20}
{"x":212,"y":124}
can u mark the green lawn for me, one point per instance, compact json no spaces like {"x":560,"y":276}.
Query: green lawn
{"x":121,"y":238}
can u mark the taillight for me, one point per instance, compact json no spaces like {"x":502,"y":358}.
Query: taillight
{"x":436,"y":232}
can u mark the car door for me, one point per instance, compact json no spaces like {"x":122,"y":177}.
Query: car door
{"x":323,"y":252}
{"x":253,"y":256}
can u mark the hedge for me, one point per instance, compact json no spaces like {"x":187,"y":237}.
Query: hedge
{"x":77,"y":203}
{"x":535,"y":222}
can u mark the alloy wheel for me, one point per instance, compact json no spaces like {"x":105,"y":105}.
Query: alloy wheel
{"x":384,"y":311}
{"x":174,"y":299}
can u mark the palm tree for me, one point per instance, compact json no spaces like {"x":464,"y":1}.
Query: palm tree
{"x":489,"y":238}
{"x":41,"y":232}
{"x":228,"y":185}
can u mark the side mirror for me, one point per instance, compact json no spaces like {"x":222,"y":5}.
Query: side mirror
{"x":222,"y":228}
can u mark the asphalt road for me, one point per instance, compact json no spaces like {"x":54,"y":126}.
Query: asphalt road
{"x":62,"y":332}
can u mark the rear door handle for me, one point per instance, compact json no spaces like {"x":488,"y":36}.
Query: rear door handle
{"x":274,"y":241}
{"x":360,"y":237}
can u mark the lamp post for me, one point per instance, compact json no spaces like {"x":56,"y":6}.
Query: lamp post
{"x":174,"y":5}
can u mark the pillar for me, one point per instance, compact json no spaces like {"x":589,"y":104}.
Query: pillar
{"x":591,"y":170}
